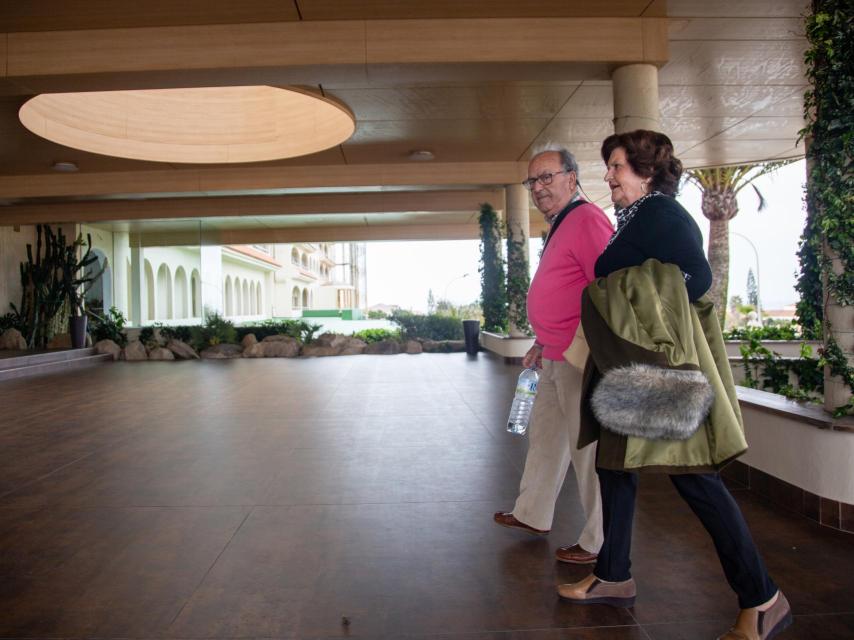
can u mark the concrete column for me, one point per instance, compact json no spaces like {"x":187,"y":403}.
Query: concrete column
{"x":636,"y":98}
{"x":839,"y":323}
{"x":518,"y":230}
{"x":136,"y":279}
{"x":210,"y":265}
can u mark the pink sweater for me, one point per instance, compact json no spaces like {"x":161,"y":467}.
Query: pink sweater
{"x":566,"y":267}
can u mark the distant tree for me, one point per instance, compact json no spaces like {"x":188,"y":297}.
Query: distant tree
{"x":752,"y":290}
{"x":431,"y":302}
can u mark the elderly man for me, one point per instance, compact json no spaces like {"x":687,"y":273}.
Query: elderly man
{"x":579,"y":232}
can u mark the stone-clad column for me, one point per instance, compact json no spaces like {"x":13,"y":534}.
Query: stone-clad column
{"x":636,"y":98}
{"x":518,"y":231}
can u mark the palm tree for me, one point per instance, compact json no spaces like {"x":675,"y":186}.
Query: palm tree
{"x":720,"y":186}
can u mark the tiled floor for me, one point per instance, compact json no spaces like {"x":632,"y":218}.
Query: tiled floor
{"x":273,"y":498}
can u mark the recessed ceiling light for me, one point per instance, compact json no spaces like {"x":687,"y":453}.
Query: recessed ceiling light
{"x":201,"y":125}
{"x":64,"y":167}
{"x":420,"y":155}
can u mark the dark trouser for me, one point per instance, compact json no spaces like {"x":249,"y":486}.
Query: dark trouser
{"x":713,"y":505}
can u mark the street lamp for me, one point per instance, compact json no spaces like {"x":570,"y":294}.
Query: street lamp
{"x":453,"y":280}
{"x":756,"y":255}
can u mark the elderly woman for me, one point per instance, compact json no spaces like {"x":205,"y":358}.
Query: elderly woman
{"x":648,"y":331}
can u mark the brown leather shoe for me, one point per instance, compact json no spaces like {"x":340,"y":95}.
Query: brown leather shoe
{"x":591,"y":590}
{"x":752,"y":624}
{"x":507,"y":519}
{"x":575,"y":554}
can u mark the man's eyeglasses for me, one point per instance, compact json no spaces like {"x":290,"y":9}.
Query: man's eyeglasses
{"x":544,"y":179}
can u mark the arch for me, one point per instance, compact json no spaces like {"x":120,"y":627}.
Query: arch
{"x":246,"y":300}
{"x":238,"y":297}
{"x":181,"y":301}
{"x":258,"y":300}
{"x":295,"y":298}
{"x":305,"y":298}
{"x":229,"y":297}
{"x":195,"y":296}
{"x":252,"y":309}
{"x":149,"y":292}
{"x":294,"y":256}
{"x":164,"y":293}
{"x":304,"y":261}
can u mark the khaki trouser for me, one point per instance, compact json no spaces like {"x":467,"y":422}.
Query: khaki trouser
{"x":552,"y":444}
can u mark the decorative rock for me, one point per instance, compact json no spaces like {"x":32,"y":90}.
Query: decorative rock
{"x":334,"y":340}
{"x":222,"y":351}
{"x":108,"y":346}
{"x":353,"y":347}
{"x":281,"y":348}
{"x":60,"y":341}
{"x":384,"y":347}
{"x":413,"y":346}
{"x":443,"y":346}
{"x":160,"y":353}
{"x":12,"y":339}
{"x":319,"y":350}
{"x":135,"y":351}
{"x":279,"y":337}
{"x":181,"y":350}
{"x":248,"y":340}
{"x":255,"y":350}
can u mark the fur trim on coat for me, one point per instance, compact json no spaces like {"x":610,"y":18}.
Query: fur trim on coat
{"x":652,"y":402}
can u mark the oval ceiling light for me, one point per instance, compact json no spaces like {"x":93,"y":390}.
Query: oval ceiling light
{"x":203,"y":125}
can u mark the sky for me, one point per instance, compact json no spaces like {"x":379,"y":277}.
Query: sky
{"x":402,"y":273}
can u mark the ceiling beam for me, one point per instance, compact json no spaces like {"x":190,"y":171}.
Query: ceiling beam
{"x":290,"y":235}
{"x":120,"y":58}
{"x":251,"y":206}
{"x":213,"y":180}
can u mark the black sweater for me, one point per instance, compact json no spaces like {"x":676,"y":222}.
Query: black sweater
{"x":660,"y":229}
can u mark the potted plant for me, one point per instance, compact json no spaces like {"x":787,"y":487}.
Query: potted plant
{"x":74,"y":283}
{"x":54,"y":282}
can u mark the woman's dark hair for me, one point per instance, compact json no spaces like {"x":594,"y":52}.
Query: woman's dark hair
{"x":650,"y":155}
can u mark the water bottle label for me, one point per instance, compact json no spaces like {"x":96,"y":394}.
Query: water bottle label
{"x":528,"y":388}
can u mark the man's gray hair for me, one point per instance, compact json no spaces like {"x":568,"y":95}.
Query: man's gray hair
{"x":567,"y":160}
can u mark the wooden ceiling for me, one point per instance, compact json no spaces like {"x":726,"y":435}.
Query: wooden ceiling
{"x":478,"y":83}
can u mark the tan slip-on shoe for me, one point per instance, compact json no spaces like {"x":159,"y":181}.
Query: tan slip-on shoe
{"x":753,"y":624}
{"x":591,"y":590}
{"x":575,"y":554}
{"x":507,"y":519}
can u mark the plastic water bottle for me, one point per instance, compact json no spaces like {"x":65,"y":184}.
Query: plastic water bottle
{"x":523,"y":402}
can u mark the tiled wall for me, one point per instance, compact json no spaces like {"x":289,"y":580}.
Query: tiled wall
{"x":829,"y":513}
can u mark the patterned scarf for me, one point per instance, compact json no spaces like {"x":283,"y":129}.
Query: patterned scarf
{"x":624,"y":216}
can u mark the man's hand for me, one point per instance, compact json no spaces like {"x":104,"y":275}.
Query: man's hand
{"x":533,"y":357}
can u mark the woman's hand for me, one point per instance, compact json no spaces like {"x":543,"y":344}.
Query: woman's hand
{"x":534,"y":357}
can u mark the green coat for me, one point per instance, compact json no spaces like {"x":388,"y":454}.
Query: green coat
{"x":643,"y":315}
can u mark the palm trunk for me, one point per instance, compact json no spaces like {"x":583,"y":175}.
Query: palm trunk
{"x":719,"y":206}
{"x":719,"y":262}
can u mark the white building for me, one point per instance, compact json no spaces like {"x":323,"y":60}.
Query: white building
{"x":244,"y":283}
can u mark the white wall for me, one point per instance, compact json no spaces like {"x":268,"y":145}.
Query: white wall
{"x":13,"y":251}
{"x":816,"y":460}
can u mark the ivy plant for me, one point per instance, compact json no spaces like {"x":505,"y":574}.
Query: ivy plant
{"x":829,"y":231}
{"x":493,"y":296}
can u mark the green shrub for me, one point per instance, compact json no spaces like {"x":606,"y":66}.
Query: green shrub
{"x":148,"y":337}
{"x":297,"y":329}
{"x":784,"y":331}
{"x":377,"y":335}
{"x":429,"y":327}
{"x":13,"y":320}
{"x":377,"y":315}
{"x":183,"y":333}
{"x":215,"y":330}
{"x":109,"y":327}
